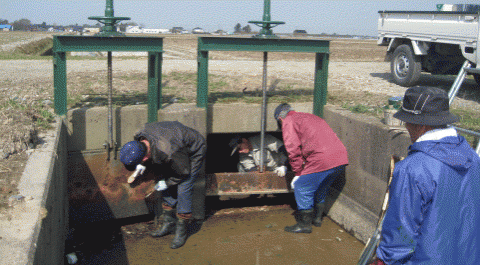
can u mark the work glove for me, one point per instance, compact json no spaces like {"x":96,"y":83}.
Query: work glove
{"x":281,"y":171}
{"x":293,"y":182}
{"x":161,"y":185}
{"x":139,"y":170}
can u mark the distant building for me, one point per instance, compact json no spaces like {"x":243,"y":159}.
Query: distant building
{"x":155,"y":31}
{"x":6,"y":27}
{"x":91,"y":30}
{"x":39,"y":27}
{"x":177,"y":30}
{"x":198,"y":30}
{"x":133,"y":29}
{"x":219,"y":32}
{"x":299,"y":32}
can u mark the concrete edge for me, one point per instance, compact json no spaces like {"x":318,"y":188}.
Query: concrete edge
{"x":20,"y":232}
{"x":352,"y":216}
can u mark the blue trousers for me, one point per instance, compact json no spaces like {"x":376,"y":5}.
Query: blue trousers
{"x":180,"y":196}
{"x":313,"y":188}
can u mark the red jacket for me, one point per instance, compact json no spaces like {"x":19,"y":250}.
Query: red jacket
{"x":311,"y":144}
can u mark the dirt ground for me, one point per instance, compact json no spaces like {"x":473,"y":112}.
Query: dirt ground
{"x":357,"y":76}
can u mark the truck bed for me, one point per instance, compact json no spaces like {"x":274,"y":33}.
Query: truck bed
{"x":433,"y":26}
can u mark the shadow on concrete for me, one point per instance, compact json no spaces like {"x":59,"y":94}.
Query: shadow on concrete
{"x":335,"y":191}
{"x":93,"y":234}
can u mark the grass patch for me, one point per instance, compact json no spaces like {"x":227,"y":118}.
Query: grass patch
{"x":39,"y":47}
{"x":35,"y":50}
{"x":40,"y":114}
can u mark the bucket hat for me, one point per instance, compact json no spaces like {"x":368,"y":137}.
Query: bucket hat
{"x":426,"y":106}
{"x":132,"y":154}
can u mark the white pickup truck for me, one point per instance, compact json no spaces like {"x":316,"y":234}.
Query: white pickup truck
{"x":437,"y":42}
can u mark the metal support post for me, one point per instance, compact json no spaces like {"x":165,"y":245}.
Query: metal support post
{"x":202,"y":79}
{"x":458,"y":81}
{"x":109,"y":145}
{"x":320,"y":83}
{"x":264,"y":113}
{"x":60,"y":83}
{"x":154,"y":85}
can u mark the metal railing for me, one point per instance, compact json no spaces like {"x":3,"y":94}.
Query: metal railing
{"x":466,"y":68}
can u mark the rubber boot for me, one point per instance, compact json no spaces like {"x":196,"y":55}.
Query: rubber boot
{"x":181,"y":234}
{"x":317,"y":220}
{"x":304,"y":222}
{"x":168,"y":226}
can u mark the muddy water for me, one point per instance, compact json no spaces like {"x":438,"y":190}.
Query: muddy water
{"x":251,"y":238}
{"x":235,"y":234}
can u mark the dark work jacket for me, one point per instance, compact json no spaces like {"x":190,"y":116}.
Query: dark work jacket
{"x":178,"y":151}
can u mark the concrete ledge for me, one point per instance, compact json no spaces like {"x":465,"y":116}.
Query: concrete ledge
{"x":34,"y":230}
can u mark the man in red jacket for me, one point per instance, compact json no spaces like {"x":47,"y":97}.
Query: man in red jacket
{"x":317,"y":157}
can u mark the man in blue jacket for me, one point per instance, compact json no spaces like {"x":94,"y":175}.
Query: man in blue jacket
{"x":434,"y":206}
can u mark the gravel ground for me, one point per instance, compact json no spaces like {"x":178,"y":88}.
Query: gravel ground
{"x":355,"y":77}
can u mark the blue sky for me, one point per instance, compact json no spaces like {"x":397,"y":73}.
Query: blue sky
{"x":341,"y":17}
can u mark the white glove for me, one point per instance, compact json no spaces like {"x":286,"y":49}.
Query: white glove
{"x":293,"y":182}
{"x":281,"y":171}
{"x":161,"y":185}
{"x":138,"y":172}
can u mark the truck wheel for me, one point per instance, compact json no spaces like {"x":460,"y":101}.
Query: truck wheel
{"x":405,"y":66}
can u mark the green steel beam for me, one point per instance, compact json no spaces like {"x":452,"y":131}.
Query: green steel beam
{"x":154,"y":85}
{"x":100,"y":43}
{"x":60,"y":83}
{"x":321,"y":48}
{"x":202,"y":79}
{"x":262,"y":45}
{"x":320,"y":83}
{"x":152,"y":45}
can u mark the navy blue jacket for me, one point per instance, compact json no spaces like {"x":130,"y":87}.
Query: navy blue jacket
{"x":177,"y":150}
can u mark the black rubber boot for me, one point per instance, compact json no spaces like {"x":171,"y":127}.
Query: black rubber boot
{"x":304,"y":222}
{"x":317,"y":220}
{"x":181,"y":234}
{"x":168,"y":226}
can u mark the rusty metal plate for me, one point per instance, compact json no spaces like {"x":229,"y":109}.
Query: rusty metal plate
{"x":98,"y":188}
{"x":247,"y":183}
{"x":92,"y":180}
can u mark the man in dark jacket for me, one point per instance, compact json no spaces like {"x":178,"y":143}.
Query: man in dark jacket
{"x":433,"y":215}
{"x":317,"y":157}
{"x":178,"y":154}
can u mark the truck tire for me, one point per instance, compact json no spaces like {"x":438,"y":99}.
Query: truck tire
{"x":405,"y":66}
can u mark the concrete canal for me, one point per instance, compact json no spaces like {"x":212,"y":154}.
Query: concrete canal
{"x":237,"y":230}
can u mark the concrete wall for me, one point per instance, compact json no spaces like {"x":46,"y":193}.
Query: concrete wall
{"x":88,"y":129}
{"x":35,"y":232}
{"x":356,"y":200}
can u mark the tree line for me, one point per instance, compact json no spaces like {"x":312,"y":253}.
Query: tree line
{"x":239,"y":29}
{"x":25,"y":25}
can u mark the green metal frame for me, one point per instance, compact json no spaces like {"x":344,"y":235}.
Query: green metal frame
{"x":152,"y":45}
{"x":319,"y":47}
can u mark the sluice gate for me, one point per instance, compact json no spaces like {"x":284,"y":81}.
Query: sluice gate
{"x":102,"y":178}
{"x":96,"y":185}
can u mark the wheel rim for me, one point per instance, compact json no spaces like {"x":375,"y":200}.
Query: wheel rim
{"x":402,"y":66}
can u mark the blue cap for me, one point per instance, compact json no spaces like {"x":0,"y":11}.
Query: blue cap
{"x":132,"y":154}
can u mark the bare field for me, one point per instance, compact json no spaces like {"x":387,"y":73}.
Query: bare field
{"x":358,"y":79}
